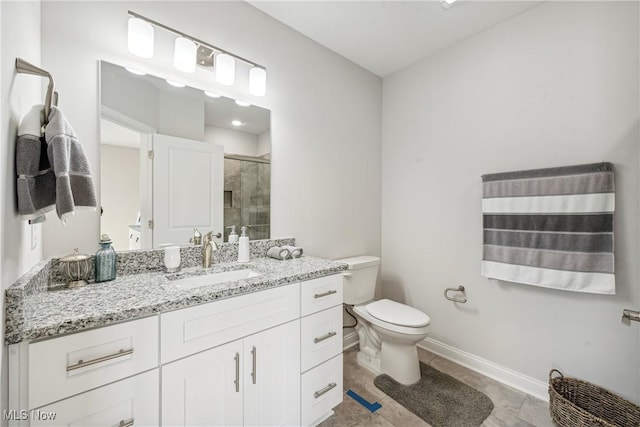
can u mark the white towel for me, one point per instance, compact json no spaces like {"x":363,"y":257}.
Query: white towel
{"x":74,"y":184}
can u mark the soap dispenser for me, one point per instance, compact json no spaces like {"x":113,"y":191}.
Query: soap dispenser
{"x":233,"y":236}
{"x":243,"y":246}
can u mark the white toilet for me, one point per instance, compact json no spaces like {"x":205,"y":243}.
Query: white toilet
{"x":388,"y":331}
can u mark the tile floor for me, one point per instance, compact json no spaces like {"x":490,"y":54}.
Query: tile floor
{"x":511,"y":407}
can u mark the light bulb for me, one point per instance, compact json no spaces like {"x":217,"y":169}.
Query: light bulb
{"x":242,"y":103}
{"x":136,"y":72}
{"x":257,"y":81}
{"x":225,"y":69}
{"x":236,"y":122}
{"x":140,"y":38}
{"x":184,"y":56}
{"x":211,"y":94}
{"x":175,"y":83}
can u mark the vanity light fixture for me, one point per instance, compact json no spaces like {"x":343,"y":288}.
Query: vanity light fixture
{"x":212,"y":94}
{"x":184,"y":56}
{"x":190,"y":51}
{"x":242,"y":103}
{"x":257,"y":81}
{"x":175,"y":83}
{"x":447,"y":3}
{"x":140,"y":37}
{"x":237,"y":122}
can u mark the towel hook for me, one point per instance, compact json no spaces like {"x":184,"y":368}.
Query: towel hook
{"x":25,"y":67}
{"x":458,"y":289}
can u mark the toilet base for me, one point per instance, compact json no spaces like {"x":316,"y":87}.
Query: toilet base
{"x":400,"y":362}
{"x":371,"y":363}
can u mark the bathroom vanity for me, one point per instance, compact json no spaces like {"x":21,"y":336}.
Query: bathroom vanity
{"x":144,"y":350}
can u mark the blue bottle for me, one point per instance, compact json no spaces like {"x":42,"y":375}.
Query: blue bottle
{"x":105,"y":260}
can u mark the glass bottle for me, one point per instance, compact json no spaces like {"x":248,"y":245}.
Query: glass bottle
{"x":105,"y":260}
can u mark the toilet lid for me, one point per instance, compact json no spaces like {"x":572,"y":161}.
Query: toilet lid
{"x":398,"y":314}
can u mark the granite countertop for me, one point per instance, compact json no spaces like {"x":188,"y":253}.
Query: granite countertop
{"x":47,"y":313}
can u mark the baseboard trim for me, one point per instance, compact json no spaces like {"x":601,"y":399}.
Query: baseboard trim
{"x":350,"y":340}
{"x":500,"y":373}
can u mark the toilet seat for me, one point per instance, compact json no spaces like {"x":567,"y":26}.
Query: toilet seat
{"x":363,"y":311}
{"x":399,"y":314}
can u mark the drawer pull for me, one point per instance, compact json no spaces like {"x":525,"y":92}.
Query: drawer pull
{"x":82,"y":364}
{"x":237,"y":381}
{"x":316,"y":340}
{"x":254,"y":373}
{"x":127,"y":423}
{"x":324,"y":390}
{"x":325,"y":294}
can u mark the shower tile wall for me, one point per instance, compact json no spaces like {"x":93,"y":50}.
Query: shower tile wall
{"x":247,"y":187}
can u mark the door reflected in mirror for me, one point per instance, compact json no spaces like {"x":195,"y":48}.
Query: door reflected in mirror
{"x":177,"y":159}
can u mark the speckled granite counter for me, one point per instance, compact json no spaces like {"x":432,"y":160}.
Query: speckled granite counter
{"x":37,"y":312}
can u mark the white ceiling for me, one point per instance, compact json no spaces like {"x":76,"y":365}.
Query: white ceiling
{"x":386,"y":36}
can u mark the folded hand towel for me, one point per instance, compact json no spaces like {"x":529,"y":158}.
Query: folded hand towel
{"x":278,"y":253}
{"x":74,"y":184}
{"x":294,"y":251}
{"x":36,"y":183}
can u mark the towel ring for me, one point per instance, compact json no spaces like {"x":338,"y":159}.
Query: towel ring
{"x":458,"y":289}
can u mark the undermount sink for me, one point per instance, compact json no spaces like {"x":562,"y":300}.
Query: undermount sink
{"x":214,"y":278}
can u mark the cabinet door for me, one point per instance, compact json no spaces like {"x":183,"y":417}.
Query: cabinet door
{"x":133,"y":401}
{"x":204,"y":389}
{"x":272,"y":377}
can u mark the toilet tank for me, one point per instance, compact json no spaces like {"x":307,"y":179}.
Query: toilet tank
{"x":360,"y":279}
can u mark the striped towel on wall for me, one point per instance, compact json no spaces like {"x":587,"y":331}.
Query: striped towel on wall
{"x":551,"y":227}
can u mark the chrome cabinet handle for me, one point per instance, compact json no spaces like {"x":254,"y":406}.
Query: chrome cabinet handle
{"x":324,"y":390}
{"x":127,"y":423}
{"x":316,"y":340}
{"x":237,"y":381}
{"x":81,"y":363}
{"x":254,"y":373}
{"x":325,"y":294}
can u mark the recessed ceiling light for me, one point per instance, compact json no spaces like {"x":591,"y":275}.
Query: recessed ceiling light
{"x":211,"y":94}
{"x":236,"y":122}
{"x":242,"y":103}
{"x":175,"y":83}
{"x":134,"y":71}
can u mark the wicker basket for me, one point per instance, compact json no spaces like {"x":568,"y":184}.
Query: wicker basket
{"x":574,"y":403}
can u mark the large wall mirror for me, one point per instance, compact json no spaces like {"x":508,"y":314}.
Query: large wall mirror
{"x":174,"y":159}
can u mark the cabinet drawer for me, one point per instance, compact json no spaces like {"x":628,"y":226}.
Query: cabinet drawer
{"x":321,"y":391}
{"x":205,"y":326}
{"x":321,"y":337}
{"x":134,"y":401}
{"x":61,"y":367}
{"x":321,"y":293}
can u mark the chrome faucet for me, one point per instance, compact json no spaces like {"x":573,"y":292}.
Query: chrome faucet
{"x":208,"y":246}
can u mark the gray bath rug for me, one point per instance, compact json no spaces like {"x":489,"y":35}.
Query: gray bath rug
{"x":439,"y":399}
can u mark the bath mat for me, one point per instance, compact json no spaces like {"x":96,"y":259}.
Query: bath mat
{"x":439,"y":399}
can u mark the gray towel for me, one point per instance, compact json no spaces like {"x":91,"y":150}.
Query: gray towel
{"x":277,"y":252}
{"x":74,"y":184}
{"x":294,"y":251}
{"x":36,"y":183}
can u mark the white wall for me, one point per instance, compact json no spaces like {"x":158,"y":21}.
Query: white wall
{"x":234,"y":142}
{"x":20,"y":36}
{"x":264,"y":143}
{"x":556,"y":85}
{"x":120,"y":191}
{"x":326,"y":164}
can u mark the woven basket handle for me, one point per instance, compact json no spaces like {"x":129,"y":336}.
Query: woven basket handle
{"x":556,"y":371}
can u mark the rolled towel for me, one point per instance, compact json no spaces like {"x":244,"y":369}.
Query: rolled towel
{"x":278,"y":253}
{"x":294,"y":251}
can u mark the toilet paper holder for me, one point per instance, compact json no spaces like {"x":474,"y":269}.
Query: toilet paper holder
{"x":458,"y":289}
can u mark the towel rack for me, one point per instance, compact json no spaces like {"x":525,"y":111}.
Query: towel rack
{"x":458,"y":289}
{"x":25,"y":67}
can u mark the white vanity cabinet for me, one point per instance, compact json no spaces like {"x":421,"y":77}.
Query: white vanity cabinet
{"x":254,"y":381}
{"x":267,"y":358}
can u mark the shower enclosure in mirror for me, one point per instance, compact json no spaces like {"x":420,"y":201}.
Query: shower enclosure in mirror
{"x":174,"y":159}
